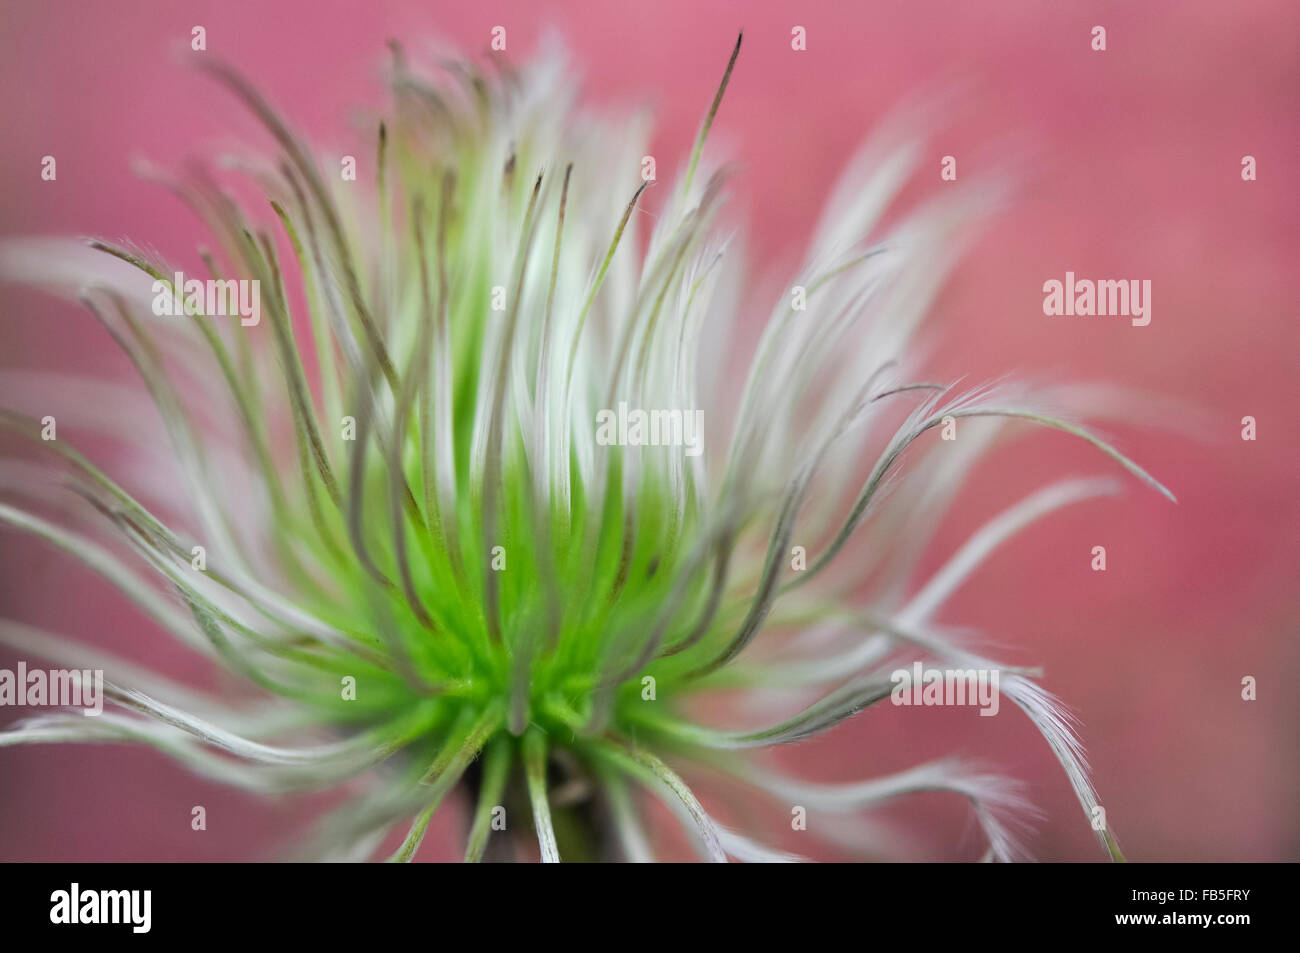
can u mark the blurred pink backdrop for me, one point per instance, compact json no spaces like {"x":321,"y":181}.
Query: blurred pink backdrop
{"x":1139,"y":153}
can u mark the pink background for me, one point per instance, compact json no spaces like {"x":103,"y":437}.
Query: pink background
{"x":1139,"y":153}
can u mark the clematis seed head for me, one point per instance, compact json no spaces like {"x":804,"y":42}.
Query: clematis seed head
{"x":455,"y":473}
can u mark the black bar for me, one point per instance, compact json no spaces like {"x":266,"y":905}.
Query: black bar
{"x":328,"y":904}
